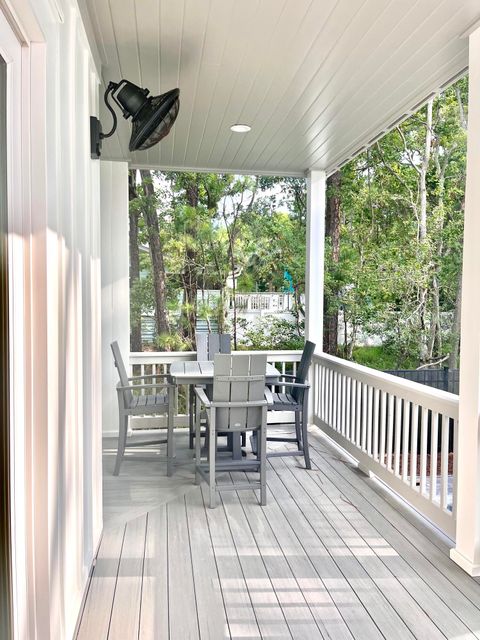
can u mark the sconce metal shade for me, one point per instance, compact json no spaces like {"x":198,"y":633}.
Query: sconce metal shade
{"x":154,"y":120}
{"x":152,"y":117}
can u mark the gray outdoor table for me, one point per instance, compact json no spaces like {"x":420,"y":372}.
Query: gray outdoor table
{"x":197,"y":372}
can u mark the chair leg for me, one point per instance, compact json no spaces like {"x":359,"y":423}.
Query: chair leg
{"x":170,"y":442}
{"x":306,"y":452}
{"x":262,"y":444}
{"x":122,"y":440}
{"x":198,"y":442}
{"x":211,"y":474}
{"x":211,"y":462}
{"x":191,"y":425}
{"x":298,"y":431}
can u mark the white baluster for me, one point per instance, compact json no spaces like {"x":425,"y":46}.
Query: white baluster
{"x":414,"y":445}
{"x":434,"y":456}
{"x":406,"y":439}
{"x":423,"y":451}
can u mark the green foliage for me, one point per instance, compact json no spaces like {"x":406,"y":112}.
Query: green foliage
{"x":389,"y":280}
{"x":209,"y":222}
{"x":381,"y":358}
{"x":271,"y":333}
{"x":172,"y":342}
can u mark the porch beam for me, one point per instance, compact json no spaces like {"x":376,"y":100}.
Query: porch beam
{"x":314,"y":279}
{"x":467,"y":550}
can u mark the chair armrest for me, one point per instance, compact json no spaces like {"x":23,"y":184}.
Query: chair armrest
{"x":136,"y":387}
{"x":242,"y":404}
{"x":287,"y":375}
{"x":291,"y":384}
{"x":202,"y":396}
{"x":152,"y":375}
{"x":268,"y":396}
{"x":300,"y":385}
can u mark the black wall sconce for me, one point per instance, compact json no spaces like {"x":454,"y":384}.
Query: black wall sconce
{"x":152,"y":117}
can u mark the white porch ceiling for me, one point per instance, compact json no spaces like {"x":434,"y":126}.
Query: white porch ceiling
{"x":315,"y":79}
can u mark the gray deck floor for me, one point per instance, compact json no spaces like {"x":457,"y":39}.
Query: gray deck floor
{"x":331,"y":556}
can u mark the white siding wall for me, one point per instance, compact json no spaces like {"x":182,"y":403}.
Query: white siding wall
{"x":61,"y":323}
{"x":115,"y":283}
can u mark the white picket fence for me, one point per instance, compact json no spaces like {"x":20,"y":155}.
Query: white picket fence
{"x":403,"y":432}
{"x":272,"y":302}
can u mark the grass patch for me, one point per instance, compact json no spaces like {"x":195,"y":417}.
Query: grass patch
{"x":381,"y":358}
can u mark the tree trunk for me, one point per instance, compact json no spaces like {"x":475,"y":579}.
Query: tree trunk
{"x":456,"y":322}
{"x":422,"y":227}
{"x":332,"y":231}
{"x":189,"y":276}
{"x":435,"y":337}
{"x":134,"y":215}
{"x":156,"y":254}
{"x":455,"y":348}
{"x":234,"y":290}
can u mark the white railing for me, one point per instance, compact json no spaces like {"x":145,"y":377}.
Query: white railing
{"x":158,"y":362}
{"x":271,"y":302}
{"x":403,"y":432}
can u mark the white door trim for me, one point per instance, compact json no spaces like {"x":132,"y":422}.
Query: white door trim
{"x":11,"y":52}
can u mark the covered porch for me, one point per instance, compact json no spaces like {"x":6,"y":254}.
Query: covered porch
{"x":335,"y":553}
{"x":381,"y":539}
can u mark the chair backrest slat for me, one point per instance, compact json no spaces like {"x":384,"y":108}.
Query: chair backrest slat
{"x":239,"y":391}
{"x":239,"y":378}
{"x":209,"y":344}
{"x":303,"y":367}
{"x":224,"y":344}
{"x":202,"y":346}
{"x":122,"y":372}
{"x":256,"y":391}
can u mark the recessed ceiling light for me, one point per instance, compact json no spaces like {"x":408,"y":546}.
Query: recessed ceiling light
{"x":240,"y":128}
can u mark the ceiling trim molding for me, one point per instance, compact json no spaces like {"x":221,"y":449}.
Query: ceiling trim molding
{"x":238,"y":172}
{"x":473,"y":27}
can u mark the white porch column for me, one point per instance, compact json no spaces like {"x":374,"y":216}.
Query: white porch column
{"x":316,"y":187}
{"x":115,"y":282}
{"x":467,"y":550}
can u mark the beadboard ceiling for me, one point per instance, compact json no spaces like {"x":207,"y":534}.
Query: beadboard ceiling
{"x":315,"y":79}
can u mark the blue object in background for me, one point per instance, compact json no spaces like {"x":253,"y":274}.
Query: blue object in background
{"x":288,"y":282}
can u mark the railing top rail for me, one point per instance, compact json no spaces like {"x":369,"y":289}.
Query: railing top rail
{"x":438,"y":400}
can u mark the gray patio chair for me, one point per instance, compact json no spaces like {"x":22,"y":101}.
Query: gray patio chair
{"x":208,"y":345}
{"x":238,"y":404}
{"x":131,"y":403}
{"x":294,"y":398}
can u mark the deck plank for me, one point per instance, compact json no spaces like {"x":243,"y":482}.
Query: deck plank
{"x":212,"y":620}
{"x":290,"y":596}
{"x":324,"y":610}
{"x":183,"y":618}
{"x":268,"y":611}
{"x":350,"y":606}
{"x":99,"y":602}
{"x":240,"y":613}
{"x":455,"y":614}
{"x":154,"y":603}
{"x":362,"y":544}
{"x":126,"y":607}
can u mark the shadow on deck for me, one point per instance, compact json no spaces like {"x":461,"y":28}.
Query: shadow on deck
{"x":332,"y":555}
